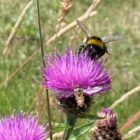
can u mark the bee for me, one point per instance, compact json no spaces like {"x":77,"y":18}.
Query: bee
{"x":79,"y":97}
{"x":93,"y":45}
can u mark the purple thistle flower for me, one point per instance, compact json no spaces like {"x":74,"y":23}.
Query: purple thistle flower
{"x":20,"y":127}
{"x":65,"y":73}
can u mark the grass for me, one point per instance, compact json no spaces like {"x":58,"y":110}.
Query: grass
{"x":22,"y":92}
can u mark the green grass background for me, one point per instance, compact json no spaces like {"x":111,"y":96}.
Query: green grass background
{"x":23,"y":91}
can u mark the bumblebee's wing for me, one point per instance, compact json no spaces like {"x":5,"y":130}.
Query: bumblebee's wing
{"x":92,"y":91}
{"x":84,"y":28}
{"x":110,"y":38}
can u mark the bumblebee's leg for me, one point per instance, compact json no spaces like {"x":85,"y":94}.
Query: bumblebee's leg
{"x":81,"y":48}
{"x":98,"y":56}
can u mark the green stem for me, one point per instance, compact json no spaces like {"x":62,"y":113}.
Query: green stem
{"x":70,"y":121}
{"x":44,"y":65}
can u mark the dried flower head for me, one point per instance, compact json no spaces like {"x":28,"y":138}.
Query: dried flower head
{"x":106,"y":126}
{"x":65,"y":6}
{"x":65,"y":73}
{"x":109,"y":118}
{"x":19,"y":127}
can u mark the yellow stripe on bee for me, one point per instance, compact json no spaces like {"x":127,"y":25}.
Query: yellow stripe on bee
{"x":95,"y":42}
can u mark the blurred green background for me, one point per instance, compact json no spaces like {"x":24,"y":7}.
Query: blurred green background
{"x":23,"y":91}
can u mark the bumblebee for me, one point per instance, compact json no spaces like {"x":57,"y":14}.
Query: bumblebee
{"x":93,"y":45}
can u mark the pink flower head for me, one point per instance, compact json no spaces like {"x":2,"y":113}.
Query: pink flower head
{"x":64,"y":73}
{"x":20,"y":127}
{"x":106,"y":126}
{"x":109,"y":118}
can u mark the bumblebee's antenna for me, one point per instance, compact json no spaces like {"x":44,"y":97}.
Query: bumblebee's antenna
{"x":83,"y":27}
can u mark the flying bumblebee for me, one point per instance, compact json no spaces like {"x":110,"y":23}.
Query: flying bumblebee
{"x":93,"y":45}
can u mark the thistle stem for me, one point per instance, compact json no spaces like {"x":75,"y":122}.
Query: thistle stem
{"x":44,"y":65}
{"x":70,"y":121}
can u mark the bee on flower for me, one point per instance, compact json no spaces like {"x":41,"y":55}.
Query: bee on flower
{"x":75,"y":79}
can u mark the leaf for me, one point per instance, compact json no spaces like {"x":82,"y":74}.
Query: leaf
{"x":90,"y":117}
{"x":58,"y":127}
{"x":79,"y":131}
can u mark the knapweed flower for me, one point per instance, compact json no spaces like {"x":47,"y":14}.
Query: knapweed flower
{"x":109,"y":118}
{"x":19,"y":127}
{"x":75,"y":78}
{"x":106,"y":127}
{"x":65,"y":73}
